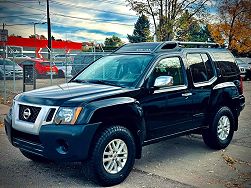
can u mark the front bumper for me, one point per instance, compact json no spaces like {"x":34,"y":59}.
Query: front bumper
{"x":55,"y":142}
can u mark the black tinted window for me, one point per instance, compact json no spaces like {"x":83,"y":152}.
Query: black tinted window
{"x":169,"y":67}
{"x":226,"y":63}
{"x":208,"y":65}
{"x":197,"y":68}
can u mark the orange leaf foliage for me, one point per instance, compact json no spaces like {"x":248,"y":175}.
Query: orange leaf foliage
{"x":234,"y":27}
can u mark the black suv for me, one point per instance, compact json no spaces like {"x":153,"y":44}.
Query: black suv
{"x":140,"y":94}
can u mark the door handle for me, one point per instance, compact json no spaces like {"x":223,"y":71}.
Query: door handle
{"x":186,"y":94}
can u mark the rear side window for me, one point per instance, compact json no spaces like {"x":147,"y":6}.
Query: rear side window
{"x":208,"y":65}
{"x":226,"y":63}
{"x":200,"y":67}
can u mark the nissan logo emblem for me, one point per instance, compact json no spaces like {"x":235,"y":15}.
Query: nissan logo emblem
{"x":26,"y":113}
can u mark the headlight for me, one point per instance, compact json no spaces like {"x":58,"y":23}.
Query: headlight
{"x":67,"y":115}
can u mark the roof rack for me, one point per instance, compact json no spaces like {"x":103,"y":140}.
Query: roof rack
{"x":212,"y":44}
{"x":168,"y":45}
{"x":151,"y":47}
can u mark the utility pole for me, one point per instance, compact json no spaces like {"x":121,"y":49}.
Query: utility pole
{"x":49,"y":30}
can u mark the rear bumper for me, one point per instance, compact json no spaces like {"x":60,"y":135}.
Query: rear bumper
{"x":57,"y":143}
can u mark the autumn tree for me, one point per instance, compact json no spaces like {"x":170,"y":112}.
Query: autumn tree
{"x":166,"y":13}
{"x":141,"y":31}
{"x":113,"y":41}
{"x":32,"y":36}
{"x":234,"y":25}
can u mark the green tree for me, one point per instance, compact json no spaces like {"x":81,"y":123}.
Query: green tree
{"x":201,"y":35}
{"x":32,"y":36}
{"x":168,"y":13}
{"x":141,"y":31}
{"x":192,"y":29}
{"x":113,"y":41}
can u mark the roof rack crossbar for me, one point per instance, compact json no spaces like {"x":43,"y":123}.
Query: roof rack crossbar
{"x":198,"y":43}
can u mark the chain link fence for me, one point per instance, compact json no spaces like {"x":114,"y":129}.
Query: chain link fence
{"x":59,"y":69}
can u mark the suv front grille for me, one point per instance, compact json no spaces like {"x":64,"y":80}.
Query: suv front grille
{"x":50,"y":115}
{"x":28,"y":113}
{"x":25,"y":136}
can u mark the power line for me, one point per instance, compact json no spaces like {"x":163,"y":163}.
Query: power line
{"x":27,"y":1}
{"x":30,"y":7}
{"x":19,"y":15}
{"x":93,"y":20}
{"x":88,"y":8}
{"x":111,"y":2}
{"x":74,"y":17}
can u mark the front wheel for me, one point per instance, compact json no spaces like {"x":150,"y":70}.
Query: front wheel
{"x":221,"y":130}
{"x":112,"y":157}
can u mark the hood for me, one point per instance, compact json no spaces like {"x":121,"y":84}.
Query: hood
{"x":69,"y":94}
{"x":9,"y":68}
{"x":244,"y":65}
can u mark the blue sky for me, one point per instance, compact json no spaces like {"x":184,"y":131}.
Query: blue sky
{"x":78,"y":20}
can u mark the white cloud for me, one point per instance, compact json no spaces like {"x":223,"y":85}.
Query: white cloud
{"x":93,"y":30}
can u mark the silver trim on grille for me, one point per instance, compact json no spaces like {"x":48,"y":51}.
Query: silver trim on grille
{"x":29,"y":127}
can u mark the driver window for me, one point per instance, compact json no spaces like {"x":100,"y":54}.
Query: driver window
{"x":170,"y":66}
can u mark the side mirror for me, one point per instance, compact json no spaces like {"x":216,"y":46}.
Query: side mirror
{"x":163,"y":81}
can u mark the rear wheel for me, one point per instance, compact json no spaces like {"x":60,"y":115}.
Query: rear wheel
{"x":221,"y":130}
{"x":112,"y":156}
{"x":33,"y":157}
{"x":61,"y":74}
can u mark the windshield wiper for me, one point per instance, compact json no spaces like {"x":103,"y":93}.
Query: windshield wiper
{"x":79,"y":81}
{"x":105,"y":82}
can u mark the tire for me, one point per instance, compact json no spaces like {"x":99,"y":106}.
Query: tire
{"x":60,"y":74}
{"x":221,"y":129}
{"x":35,"y":158}
{"x":109,"y":169}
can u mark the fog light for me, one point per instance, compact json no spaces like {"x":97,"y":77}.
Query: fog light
{"x":63,"y":147}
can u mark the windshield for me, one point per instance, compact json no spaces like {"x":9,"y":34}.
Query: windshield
{"x":241,"y":63}
{"x":121,"y":70}
{"x":7,"y":62}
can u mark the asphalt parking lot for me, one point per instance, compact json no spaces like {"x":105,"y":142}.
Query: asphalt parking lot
{"x":179,"y":162}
